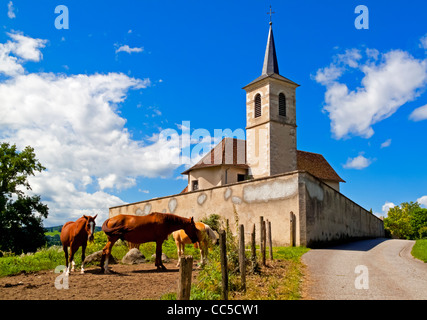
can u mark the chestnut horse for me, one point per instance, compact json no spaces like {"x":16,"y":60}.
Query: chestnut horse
{"x":140,"y":229}
{"x":75,"y":234}
{"x":204,"y":233}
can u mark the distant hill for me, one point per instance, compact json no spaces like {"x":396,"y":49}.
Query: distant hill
{"x":52,"y":234}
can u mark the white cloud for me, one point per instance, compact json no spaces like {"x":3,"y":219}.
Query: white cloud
{"x":10,"y":10}
{"x":359,"y":162}
{"x":387,"y":206}
{"x":350,"y":58}
{"x":328,"y":75}
{"x":126,"y":48}
{"x":389,"y":81}
{"x":73,"y":125}
{"x":419,"y":114}
{"x":423,"y":201}
{"x":386,"y":143}
{"x":24,"y":48}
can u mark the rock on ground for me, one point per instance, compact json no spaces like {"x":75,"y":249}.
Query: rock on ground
{"x":96,"y":257}
{"x":164,"y":257}
{"x":134,"y":256}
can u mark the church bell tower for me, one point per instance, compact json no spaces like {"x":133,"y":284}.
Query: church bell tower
{"x":271,"y":119}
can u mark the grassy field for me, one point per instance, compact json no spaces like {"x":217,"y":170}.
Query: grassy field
{"x":279,"y":280}
{"x":419,"y":250}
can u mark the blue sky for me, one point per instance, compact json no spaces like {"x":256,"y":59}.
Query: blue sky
{"x":92,"y":99}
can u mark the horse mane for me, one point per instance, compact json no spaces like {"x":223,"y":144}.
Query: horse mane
{"x":210,"y":232}
{"x":173,"y":218}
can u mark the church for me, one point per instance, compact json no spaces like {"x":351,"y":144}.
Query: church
{"x":271,"y":145}
{"x":298,"y":191}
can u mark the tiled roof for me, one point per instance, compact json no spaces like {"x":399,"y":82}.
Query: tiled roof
{"x":317,"y":165}
{"x":232,"y":151}
{"x":229,"y":151}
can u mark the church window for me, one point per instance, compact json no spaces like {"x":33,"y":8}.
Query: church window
{"x":257,"y":105}
{"x":195,"y":185}
{"x":282,"y":105}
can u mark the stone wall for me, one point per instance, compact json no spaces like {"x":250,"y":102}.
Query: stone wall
{"x":322,"y":214}
{"x":328,"y":216}
{"x":272,"y":198}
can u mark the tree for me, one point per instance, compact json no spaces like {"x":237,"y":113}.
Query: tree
{"x":407,"y":221}
{"x":419,"y":223}
{"x":21,"y":215}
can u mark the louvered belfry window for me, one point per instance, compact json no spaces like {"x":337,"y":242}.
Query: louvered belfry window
{"x":257,"y":105}
{"x":282,"y":105}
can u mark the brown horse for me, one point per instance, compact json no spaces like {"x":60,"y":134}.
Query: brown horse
{"x":140,"y":229}
{"x":204,"y":233}
{"x":75,"y":234}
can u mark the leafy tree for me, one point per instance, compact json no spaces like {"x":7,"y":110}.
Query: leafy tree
{"x":407,"y":221}
{"x":21,"y":215}
{"x":419,"y":223}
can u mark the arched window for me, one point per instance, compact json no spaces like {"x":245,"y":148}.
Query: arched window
{"x":282,"y":105}
{"x":257,"y":105}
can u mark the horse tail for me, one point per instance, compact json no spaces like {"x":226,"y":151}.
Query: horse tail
{"x":114,"y":231}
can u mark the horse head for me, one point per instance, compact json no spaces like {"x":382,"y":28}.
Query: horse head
{"x":90,"y":226}
{"x":191,"y":230}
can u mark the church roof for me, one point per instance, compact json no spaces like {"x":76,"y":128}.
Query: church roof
{"x":317,"y":165}
{"x":231,"y":151}
{"x":270,"y":68}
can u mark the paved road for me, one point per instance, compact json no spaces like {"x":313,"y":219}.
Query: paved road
{"x":386,"y":271}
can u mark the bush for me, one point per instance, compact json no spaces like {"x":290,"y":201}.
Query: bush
{"x":422,"y":232}
{"x":208,"y":284}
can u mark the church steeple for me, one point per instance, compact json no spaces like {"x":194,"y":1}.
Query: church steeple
{"x":271,"y":119}
{"x":270,"y":59}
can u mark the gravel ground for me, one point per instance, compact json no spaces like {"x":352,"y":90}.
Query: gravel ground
{"x":126,"y":282}
{"x":366,"y":270}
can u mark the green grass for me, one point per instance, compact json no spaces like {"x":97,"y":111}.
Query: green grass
{"x":419,"y":250}
{"x":52,"y":233}
{"x":281,"y":280}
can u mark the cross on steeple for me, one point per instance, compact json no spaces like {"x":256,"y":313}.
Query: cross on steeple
{"x":270,"y":13}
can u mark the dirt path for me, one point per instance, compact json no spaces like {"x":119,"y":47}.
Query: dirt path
{"x":370,"y":269}
{"x":127,"y":282}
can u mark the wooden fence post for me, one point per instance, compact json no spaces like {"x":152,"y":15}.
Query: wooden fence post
{"x":253,"y":244}
{"x":262,"y":239}
{"x":224,"y":271}
{"x":291,"y":231}
{"x":242,"y":256}
{"x":270,"y":241}
{"x":185,"y":272}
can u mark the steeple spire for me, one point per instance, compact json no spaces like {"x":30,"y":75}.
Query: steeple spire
{"x":270,"y":60}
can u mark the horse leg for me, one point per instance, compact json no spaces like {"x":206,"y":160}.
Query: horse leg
{"x":159,"y":263}
{"x":83,"y":257}
{"x":178,"y":249}
{"x":106,"y":254}
{"x":65,"y":248}
{"x":72,"y":252}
